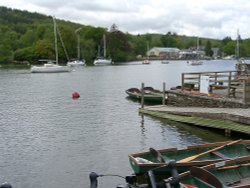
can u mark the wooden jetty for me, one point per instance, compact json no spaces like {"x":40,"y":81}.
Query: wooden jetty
{"x":227,"y":119}
{"x":224,"y":105}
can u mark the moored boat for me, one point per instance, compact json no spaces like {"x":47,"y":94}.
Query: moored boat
{"x":186,"y":157}
{"x":49,"y":67}
{"x":76,"y":63}
{"x":164,"y":61}
{"x":233,"y":173}
{"x":195,"y":62}
{"x":150,"y":94}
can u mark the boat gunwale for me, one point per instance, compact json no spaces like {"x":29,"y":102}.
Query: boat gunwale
{"x":215,"y":165}
{"x":199,"y":146}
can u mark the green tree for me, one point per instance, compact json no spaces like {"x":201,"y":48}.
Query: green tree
{"x":229,"y":48}
{"x":118,"y":46}
{"x":208,"y":49}
{"x":169,"y":40}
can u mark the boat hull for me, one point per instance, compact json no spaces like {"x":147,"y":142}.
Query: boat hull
{"x":103,"y":62}
{"x":239,"y":149}
{"x":150,"y":95}
{"x":76,"y":63}
{"x":49,"y":69}
{"x":231,"y":173}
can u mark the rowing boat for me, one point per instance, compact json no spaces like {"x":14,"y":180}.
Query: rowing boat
{"x":227,"y":174}
{"x":186,"y":157}
{"x":150,"y":94}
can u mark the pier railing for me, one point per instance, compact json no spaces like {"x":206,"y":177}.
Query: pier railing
{"x":228,"y":83}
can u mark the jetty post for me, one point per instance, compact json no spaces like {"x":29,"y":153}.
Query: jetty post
{"x":142,"y":95}
{"x":164,"y":94}
{"x":229,"y":84}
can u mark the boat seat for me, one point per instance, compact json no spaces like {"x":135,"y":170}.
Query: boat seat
{"x":219,"y":154}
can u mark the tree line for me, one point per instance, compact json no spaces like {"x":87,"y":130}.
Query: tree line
{"x":28,"y":37}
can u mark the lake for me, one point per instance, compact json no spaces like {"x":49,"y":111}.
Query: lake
{"x":50,"y":140}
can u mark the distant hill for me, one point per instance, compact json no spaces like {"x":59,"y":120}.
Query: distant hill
{"x":26,"y":36}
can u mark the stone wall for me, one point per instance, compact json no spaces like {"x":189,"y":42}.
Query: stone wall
{"x":187,"y":99}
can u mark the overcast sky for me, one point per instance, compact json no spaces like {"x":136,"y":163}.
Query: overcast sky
{"x":203,"y":18}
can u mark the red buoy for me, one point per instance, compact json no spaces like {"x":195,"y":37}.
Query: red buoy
{"x":75,"y":95}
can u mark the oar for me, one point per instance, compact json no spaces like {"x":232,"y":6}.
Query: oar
{"x":234,"y":166}
{"x":206,"y":152}
{"x":157,"y":155}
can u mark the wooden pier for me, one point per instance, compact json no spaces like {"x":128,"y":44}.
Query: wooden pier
{"x":227,"y":119}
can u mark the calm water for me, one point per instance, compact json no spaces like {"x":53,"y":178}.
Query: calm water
{"x":49,"y":140}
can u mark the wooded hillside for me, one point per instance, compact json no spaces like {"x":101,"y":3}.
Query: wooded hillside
{"x":26,"y":36}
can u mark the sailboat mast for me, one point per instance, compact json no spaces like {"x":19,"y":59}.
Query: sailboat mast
{"x":78,"y":47}
{"x":104,"y":46}
{"x":55,"y":33}
{"x":238,"y":45}
{"x":197,"y":50}
{"x":78,"y":42}
{"x":147,"y":50}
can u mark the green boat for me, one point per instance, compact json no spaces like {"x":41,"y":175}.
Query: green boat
{"x":228,"y":174}
{"x":150,"y":94}
{"x":186,"y":157}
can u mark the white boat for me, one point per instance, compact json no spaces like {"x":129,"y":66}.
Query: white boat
{"x":195,"y":62}
{"x":78,"y":62}
{"x":103,"y":60}
{"x":49,"y":66}
{"x":146,"y":61}
{"x":164,"y":61}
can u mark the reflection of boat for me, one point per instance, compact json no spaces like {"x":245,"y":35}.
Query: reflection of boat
{"x":150,"y":94}
{"x":51,"y":67}
{"x":102,"y":60}
{"x":144,"y":161}
{"x":77,"y":62}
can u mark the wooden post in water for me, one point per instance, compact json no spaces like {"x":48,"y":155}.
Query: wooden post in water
{"x":229,"y":84}
{"x":164,"y":94}
{"x":215,"y":78}
{"x":244,"y":91}
{"x":142,"y":95}
{"x":182,"y":81}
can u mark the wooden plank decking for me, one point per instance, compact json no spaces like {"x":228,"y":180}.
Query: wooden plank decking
{"x":228,"y":119}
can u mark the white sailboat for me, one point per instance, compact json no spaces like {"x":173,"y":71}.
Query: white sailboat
{"x":103,"y":60}
{"x":146,"y":61}
{"x":196,"y":61}
{"x":77,"y":62}
{"x":50,"y":66}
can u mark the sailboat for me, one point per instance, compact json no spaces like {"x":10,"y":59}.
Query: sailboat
{"x":102,"y":60}
{"x":196,"y":61}
{"x":241,"y":66}
{"x":77,"y":62}
{"x":146,"y":61}
{"x":51,"y":66}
